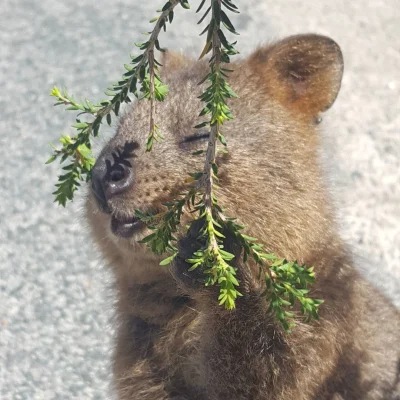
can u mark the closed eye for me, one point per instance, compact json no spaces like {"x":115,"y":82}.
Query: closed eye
{"x":197,"y":137}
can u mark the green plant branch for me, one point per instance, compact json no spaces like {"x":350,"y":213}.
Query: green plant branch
{"x":154,"y":133}
{"x":215,"y":262}
{"x":207,"y":180}
{"x":142,"y":69}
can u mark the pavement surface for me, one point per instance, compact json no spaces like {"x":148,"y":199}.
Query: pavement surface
{"x":55,"y":297}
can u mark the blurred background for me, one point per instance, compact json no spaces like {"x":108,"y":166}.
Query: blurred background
{"x":55,"y":297}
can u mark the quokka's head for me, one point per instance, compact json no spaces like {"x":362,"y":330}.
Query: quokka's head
{"x":270,"y":179}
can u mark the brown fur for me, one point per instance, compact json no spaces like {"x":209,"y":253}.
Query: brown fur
{"x":174,"y":341}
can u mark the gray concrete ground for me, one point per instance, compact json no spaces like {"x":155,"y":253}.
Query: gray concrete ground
{"x":55,"y":305}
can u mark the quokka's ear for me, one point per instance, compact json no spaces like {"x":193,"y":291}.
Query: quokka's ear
{"x":303,"y":72}
{"x":172,"y":62}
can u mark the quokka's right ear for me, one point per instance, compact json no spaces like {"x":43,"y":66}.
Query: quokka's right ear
{"x":303,"y":72}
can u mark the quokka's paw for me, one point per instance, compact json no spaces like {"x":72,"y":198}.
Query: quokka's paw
{"x":187,"y":246}
{"x":194,"y":281}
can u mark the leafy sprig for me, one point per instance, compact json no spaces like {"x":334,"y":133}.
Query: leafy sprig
{"x":213,"y":259}
{"x":285,"y":281}
{"x":140,"y":79}
{"x":78,"y":170}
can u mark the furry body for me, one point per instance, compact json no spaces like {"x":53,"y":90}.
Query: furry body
{"x":174,"y":341}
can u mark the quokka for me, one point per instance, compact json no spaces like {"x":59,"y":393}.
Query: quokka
{"x":173,"y":340}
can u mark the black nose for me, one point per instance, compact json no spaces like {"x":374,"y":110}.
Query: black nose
{"x":112,"y":175}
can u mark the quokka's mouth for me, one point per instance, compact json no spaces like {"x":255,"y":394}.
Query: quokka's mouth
{"x":126,"y":227}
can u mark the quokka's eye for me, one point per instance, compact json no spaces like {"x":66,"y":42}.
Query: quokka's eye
{"x":196,"y":137}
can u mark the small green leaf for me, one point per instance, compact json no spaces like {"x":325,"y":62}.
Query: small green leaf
{"x":222,"y":139}
{"x":166,"y":6}
{"x":51,"y":159}
{"x":55,"y":92}
{"x":84,"y":151}
{"x":168,"y":260}
{"x":80,"y":125}
{"x":201,"y":125}
{"x":206,"y":49}
{"x":135,"y":60}
{"x":204,"y":15}
{"x":185,"y":4}
{"x":227,"y":23}
{"x":200,"y":6}
{"x":116,"y":108}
